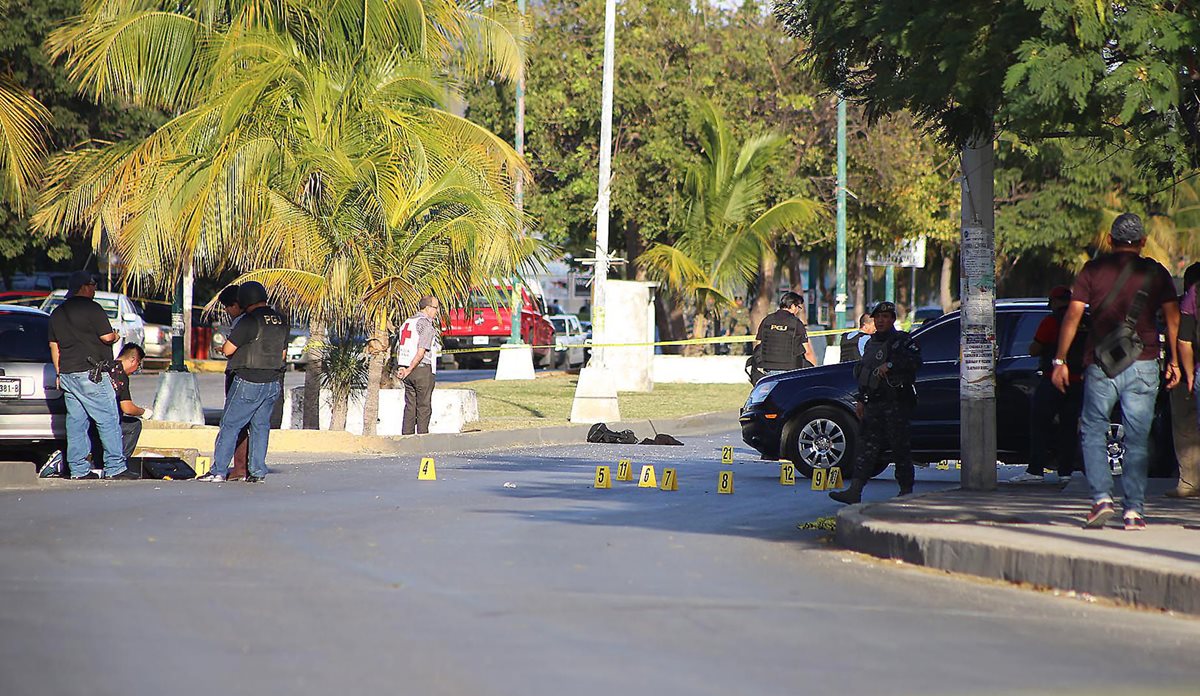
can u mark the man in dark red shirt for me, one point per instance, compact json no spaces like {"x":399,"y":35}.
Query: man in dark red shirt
{"x":1120,"y":287}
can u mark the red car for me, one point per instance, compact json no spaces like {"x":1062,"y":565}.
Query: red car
{"x":486,"y":322}
{"x":24,"y":298}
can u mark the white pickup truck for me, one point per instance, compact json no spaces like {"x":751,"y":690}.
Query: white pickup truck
{"x":569,"y":340}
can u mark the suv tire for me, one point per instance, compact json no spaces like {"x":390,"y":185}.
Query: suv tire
{"x":823,"y":436}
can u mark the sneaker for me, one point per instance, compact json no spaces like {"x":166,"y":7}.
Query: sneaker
{"x":86,"y":477}
{"x":1101,"y":513}
{"x":1026,"y":477}
{"x":211,"y":478}
{"x":251,"y":478}
{"x":53,"y":467}
{"x":124,"y":475}
{"x":1134,"y":522}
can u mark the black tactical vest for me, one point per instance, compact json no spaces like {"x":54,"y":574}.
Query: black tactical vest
{"x":781,"y":347}
{"x":266,"y":351}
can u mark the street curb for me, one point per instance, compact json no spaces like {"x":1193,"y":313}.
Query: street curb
{"x":1132,"y":584}
{"x":324,"y":441}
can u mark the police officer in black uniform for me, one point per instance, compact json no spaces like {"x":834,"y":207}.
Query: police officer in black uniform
{"x":783,"y":338}
{"x":255,"y":349}
{"x":884,"y":403}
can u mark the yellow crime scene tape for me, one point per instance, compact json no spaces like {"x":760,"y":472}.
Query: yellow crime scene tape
{"x":683,"y":342}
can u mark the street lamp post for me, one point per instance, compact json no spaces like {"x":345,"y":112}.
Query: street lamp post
{"x":841,"y":215}
{"x":514,"y":336}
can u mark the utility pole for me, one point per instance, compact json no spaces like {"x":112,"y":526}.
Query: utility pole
{"x":840,"y":299}
{"x":600,"y":273}
{"x":977,"y":375}
{"x":514,"y":336}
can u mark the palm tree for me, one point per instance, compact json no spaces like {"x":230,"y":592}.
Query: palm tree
{"x":726,"y":225}
{"x":312,"y":148}
{"x":23,"y":125}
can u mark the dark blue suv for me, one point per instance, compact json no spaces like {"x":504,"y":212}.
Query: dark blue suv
{"x":807,"y":416}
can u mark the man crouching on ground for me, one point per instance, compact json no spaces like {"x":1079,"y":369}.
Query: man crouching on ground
{"x":255,"y":349}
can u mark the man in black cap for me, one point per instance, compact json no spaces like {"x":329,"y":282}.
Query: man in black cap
{"x":783,"y":338}
{"x":255,"y":349}
{"x":884,"y":403}
{"x":81,"y":339}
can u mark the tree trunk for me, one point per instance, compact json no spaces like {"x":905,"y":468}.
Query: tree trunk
{"x":768,"y":281}
{"x":377,"y":356}
{"x":341,"y":407}
{"x":946,"y":298}
{"x":669,"y":320}
{"x":317,"y":336}
{"x":699,"y":330}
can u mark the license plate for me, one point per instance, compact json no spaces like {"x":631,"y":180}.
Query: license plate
{"x":479,"y":340}
{"x":10,"y":388}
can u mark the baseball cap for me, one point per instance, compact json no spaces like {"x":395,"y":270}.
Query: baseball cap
{"x":1060,"y":292}
{"x":1127,"y":229}
{"x":79,"y":279}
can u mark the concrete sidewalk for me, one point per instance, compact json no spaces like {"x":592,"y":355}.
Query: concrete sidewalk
{"x":1033,"y":534}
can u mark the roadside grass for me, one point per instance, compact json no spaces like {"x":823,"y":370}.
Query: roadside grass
{"x":547,"y":401}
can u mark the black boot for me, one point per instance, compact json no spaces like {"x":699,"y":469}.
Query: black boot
{"x":852,"y":494}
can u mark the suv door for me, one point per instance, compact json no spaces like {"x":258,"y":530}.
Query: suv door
{"x":935,"y":424}
{"x":1017,"y":376}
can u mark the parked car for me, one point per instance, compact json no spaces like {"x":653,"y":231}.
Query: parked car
{"x":32,"y":410}
{"x":807,"y":416}
{"x":25,"y":298}
{"x":123,"y":314}
{"x":486,"y":322}
{"x":569,"y":340}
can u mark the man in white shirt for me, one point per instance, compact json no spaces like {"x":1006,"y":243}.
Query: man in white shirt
{"x":416,"y":359}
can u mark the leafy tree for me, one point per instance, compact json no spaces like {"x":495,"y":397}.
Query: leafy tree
{"x":74,"y":120}
{"x":1122,"y":74}
{"x":313,"y":150}
{"x":725,"y":225}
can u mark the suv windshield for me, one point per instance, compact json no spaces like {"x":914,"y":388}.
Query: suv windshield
{"x":23,"y":337}
{"x":560,"y":325}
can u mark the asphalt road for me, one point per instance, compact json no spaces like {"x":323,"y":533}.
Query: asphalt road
{"x":511,"y":574}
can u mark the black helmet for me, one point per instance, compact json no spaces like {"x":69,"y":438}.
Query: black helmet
{"x":880,"y":307}
{"x":251,"y":293}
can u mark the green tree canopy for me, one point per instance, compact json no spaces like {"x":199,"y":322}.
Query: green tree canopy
{"x":1122,"y":74}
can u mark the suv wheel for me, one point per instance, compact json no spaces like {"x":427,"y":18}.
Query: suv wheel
{"x":822,"y":437}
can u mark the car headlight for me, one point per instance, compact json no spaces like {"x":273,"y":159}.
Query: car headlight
{"x":218,"y":339}
{"x":300,"y":341}
{"x":760,"y":393}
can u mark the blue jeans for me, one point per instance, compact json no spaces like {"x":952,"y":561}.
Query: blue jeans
{"x":1137,"y":389}
{"x":247,"y":403}
{"x":87,"y":402}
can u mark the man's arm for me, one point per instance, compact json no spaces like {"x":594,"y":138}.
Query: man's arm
{"x":1171,"y":314}
{"x":109,"y":338}
{"x":228,"y":348}
{"x":406,"y":371}
{"x":1187,"y":361}
{"x":131,"y":409}
{"x":809,"y":353}
{"x":54,"y":359}
{"x":1060,"y":376}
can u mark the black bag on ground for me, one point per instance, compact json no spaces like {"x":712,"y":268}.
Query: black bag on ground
{"x":161,"y":467}
{"x":661,"y":439}
{"x":600,"y":433}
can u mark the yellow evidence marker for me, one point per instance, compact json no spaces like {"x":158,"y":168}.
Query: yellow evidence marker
{"x":727,"y":454}
{"x":787,"y":474}
{"x":833,"y":479}
{"x":648,"y":479}
{"x":624,"y":470}
{"x":428,"y":471}
{"x":725,"y":482}
{"x":203,"y":465}
{"x":943,"y":465}
{"x":818,"y":479}
{"x":670,"y":482}
{"x":603,"y":478}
